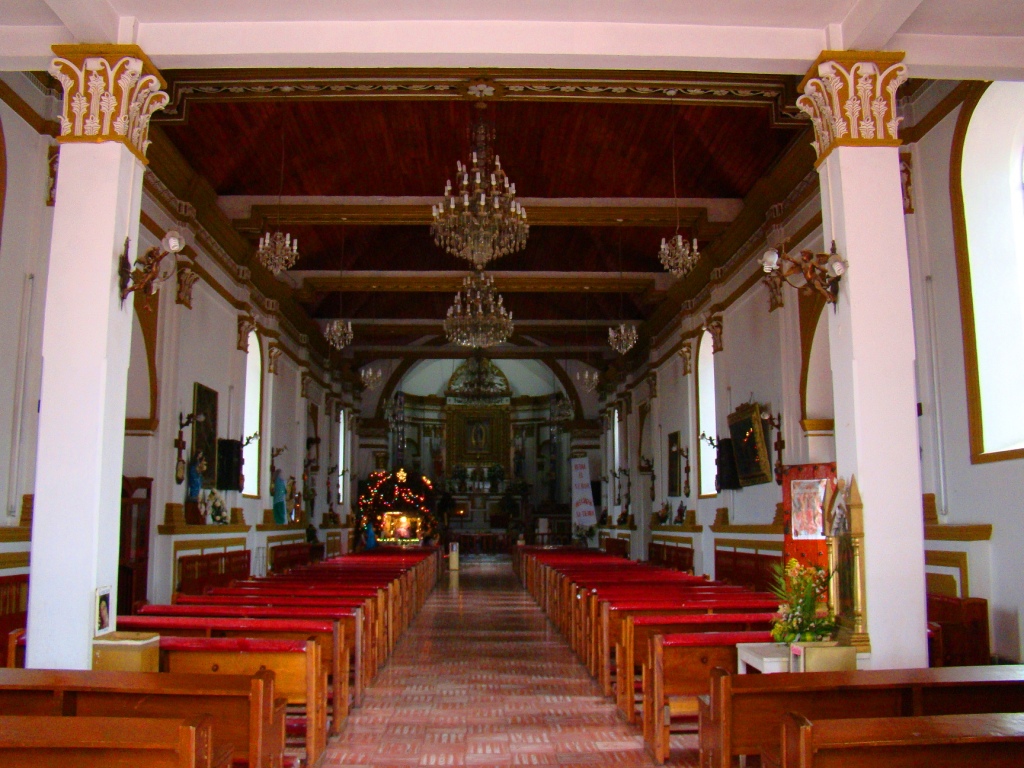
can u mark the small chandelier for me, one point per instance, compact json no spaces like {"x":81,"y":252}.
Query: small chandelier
{"x":482,"y":220}
{"x":338,"y":333}
{"x":370,"y":377}
{"x":277,"y":251}
{"x":588,"y":379}
{"x":623,"y":338}
{"x":677,"y":255}
{"x":809,"y":272}
{"x":481,"y":320}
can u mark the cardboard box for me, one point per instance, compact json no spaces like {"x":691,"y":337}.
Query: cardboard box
{"x":127,"y":652}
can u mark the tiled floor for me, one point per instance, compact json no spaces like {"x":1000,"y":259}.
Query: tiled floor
{"x":482,"y":679}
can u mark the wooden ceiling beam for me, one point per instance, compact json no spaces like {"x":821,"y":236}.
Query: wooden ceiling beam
{"x":650,"y":284}
{"x":707,"y":223}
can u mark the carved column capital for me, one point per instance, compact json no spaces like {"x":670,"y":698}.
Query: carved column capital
{"x":850,"y":97}
{"x":246,"y":325}
{"x":686,"y":355}
{"x":304,"y":383}
{"x":110,"y":93}
{"x":652,"y":384}
{"x":273,"y":355}
{"x":713,"y":325}
{"x":186,"y":280}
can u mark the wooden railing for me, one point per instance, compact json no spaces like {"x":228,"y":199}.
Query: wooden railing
{"x":284,"y":557}
{"x":199,"y":573}
{"x":616,"y":547}
{"x":678,"y":557}
{"x":13,"y":608}
{"x":755,"y":569}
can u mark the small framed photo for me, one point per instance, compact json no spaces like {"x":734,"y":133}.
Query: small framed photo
{"x":103,"y":622}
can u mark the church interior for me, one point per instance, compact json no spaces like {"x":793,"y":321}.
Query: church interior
{"x":472,"y":383}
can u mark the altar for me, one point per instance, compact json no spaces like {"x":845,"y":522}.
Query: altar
{"x":402,"y":528}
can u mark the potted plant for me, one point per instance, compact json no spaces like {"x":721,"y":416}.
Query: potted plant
{"x":803,"y":614}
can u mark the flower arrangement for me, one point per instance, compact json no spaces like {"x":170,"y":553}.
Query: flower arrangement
{"x":582,"y":533}
{"x":804,"y":613}
{"x":218,"y":509}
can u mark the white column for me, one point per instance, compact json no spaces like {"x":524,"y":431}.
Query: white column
{"x":86,"y":347}
{"x":871,"y":336}
{"x":109,"y":95}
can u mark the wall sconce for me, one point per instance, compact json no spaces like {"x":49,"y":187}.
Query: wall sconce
{"x":685,"y":454}
{"x":246,"y":441}
{"x":807,"y":272}
{"x":145,"y":275}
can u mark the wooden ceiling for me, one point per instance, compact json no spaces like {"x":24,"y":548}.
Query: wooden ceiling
{"x":594,"y":170}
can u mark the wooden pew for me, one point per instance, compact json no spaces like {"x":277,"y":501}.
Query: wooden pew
{"x":349,"y":618}
{"x":936,"y":741}
{"x":297,"y":666}
{"x":13,"y":608}
{"x":246,"y":716}
{"x":743,"y":714}
{"x":35,"y":741}
{"x":637,"y":631}
{"x":680,"y":671}
{"x":329,"y":634}
{"x":963,"y":622}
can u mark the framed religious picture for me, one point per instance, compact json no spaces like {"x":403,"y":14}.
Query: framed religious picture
{"x":478,"y":436}
{"x":807,"y":518}
{"x":313,"y":437}
{"x":675,"y":487}
{"x":204,"y":434}
{"x":103,"y":624}
{"x":750,"y":449}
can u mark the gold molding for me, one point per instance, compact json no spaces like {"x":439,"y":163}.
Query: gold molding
{"x":506,"y":282}
{"x":10,"y":560}
{"x":956,"y":560}
{"x":200,"y":530}
{"x":15,"y":533}
{"x":758,"y":545}
{"x":280,"y":527}
{"x":818,"y":425}
{"x":966,"y":532}
{"x":286,"y":538}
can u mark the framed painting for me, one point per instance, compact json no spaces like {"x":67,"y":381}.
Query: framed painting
{"x":204,"y":431}
{"x":675,"y":486}
{"x":103,"y":623}
{"x":808,"y":499}
{"x":750,"y":449}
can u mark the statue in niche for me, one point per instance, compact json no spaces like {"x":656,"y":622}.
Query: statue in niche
{"x":196,"y":470}
{"x":280,"y":494}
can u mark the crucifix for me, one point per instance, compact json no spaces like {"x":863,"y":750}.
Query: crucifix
{"x":180,"y":444}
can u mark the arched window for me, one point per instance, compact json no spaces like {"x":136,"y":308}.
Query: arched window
{"x":990,"y":251}
{"x":341,"y":456}
{"x":706,"y":421}
{"x":252,"y":415}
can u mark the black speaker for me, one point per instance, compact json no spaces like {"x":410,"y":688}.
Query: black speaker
{"x":229,"y":465}
{"x":728,"y":477}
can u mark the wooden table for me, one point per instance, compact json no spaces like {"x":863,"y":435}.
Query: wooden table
{"x":766,"y":658}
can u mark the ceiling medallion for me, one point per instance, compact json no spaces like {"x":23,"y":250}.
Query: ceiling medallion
{"x":370,"y":377}
{"x":338,"y":333}
{"x":481,"y":221}
{"x":481,"y":320}
{"x":623,"y":338}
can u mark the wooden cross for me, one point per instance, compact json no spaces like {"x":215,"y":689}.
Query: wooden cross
{"x":180,"y":444}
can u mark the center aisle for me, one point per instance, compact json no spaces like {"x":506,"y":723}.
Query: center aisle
{"x":481,"y":678}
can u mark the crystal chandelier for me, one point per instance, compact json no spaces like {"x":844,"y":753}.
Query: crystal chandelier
{"x":623,"y":338}
{"x":481,"y":320}
{"x":370,"y":377}
{"x":677,"y":255}
{"x":482,"y":220}
{"x":588,"y":379}
{"x":338,"y":333}
{"x":277,"y":251}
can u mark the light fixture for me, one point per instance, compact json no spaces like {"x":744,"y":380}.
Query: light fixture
{"x":623,"y":338}
{"x":678,"y":256}
{"x":809,"y":272}
{"x":145,"y":275}
{"x":339,"y":332}
{"x":370,"y":377}
{"x":588,"y":380}
{"x":481,"y":320}
{"x":482,"y":220}
{"x":277,"y":251}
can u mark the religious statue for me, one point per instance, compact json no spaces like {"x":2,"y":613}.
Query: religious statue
{"x":196,"y":469}
{"x":279,"y":491}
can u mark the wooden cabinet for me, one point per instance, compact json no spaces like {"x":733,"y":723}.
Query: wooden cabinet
{"x":133,"y":558}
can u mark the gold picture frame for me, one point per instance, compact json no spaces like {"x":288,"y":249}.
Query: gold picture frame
{"x":746,"y":428}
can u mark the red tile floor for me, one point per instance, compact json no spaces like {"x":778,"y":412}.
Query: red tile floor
{"x":483,"y":679}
